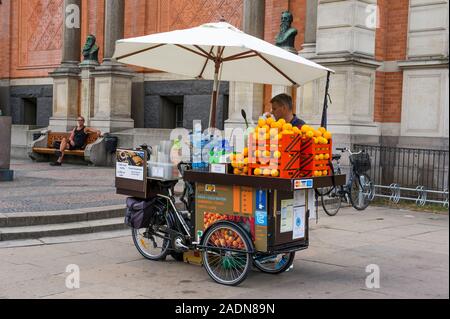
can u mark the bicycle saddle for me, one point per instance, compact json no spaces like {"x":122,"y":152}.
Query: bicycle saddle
{"x":168,"y":183}
{"x":336,"y":157}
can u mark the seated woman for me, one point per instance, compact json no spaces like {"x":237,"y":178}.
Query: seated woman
{"x":76,"y":140}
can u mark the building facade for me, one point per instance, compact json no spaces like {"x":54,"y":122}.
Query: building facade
{"x":390,"y":58}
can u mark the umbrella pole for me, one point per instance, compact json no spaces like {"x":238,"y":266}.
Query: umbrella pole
{"x":212,"y":114}
{"x":324,"y":120}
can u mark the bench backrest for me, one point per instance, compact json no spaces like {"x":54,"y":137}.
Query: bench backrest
{"x":58,"y":136}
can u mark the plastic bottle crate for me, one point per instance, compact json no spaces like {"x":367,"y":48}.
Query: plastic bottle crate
{"x":288,"y":146}
{"x":309,"y":147}
{"x":309,"y":165}
{"x":288,"y":143}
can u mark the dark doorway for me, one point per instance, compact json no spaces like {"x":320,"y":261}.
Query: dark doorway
{"x":171,"y":112}
{"x":29,"y":111}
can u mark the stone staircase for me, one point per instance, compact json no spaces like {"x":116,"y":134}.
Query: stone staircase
{"x":37,"y":225}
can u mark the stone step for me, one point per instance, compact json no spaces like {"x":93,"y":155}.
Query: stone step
{"x":61,"y":229}
{"x":59,"y":217}
{"x":66,"y":239}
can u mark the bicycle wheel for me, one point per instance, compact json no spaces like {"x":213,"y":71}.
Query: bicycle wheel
{"x":225,"y":257}
{"x":324,"y":190}
{"x":153,"y":242}
{"x":273,"y":264}
{"x":332,"y":201}
{"x":361,"y":191}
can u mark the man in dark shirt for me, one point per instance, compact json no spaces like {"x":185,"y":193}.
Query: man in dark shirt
{"x":282,"y":109}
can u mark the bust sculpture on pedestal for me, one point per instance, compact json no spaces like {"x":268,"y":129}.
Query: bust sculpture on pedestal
{"x":286,"y":38}
{"x":90,"y":50}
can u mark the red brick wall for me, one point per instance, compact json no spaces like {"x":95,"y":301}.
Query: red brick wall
{"x":390,"y":45}
{"x":93,"y":23}
{"x":392,"y":108}
{"x":4,"y":38}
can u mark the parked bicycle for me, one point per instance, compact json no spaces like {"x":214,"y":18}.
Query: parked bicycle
{"x":359,"y":189}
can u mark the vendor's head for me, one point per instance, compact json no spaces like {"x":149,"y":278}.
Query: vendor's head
{"x":282,"y":106}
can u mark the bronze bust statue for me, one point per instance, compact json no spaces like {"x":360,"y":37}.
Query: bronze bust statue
{"x":90,"y":49}
{"x":286,"y":38}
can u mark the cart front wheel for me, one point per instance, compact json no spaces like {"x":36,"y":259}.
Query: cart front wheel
{"x":273,"y":264}
{"x":226,"y":255}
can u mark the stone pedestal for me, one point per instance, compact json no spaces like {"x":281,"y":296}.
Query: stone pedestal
{"x":5,"y":146}
{"x":308,"y":50}
{"x":350,"y":115}
{"x":87,"y":90}
{"x":65,"y":98}
{"x":112,"y":98}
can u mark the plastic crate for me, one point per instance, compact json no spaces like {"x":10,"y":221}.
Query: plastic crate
{"x":309,"y":147}
{"x":288,"y":146}
{"x":309,"y":165}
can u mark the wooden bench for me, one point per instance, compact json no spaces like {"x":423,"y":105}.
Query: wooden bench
{"x":58,"y":136}
{"x":42,"y":148}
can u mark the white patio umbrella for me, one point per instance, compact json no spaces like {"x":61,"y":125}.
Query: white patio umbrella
{"x":211,"y":49}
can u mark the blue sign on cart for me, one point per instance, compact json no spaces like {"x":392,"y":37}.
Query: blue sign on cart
{"x":261,"y":200}
{"x":261,"y":218}
{"x":261,"y":208}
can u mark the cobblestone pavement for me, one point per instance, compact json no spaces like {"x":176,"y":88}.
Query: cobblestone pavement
{"x":411,"y":250}
{"x":41,"y":187}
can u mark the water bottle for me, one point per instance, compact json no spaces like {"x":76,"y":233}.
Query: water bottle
{"x":197,"y":145}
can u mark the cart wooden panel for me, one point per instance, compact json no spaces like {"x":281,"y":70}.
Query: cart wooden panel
{"x":278,"y":192}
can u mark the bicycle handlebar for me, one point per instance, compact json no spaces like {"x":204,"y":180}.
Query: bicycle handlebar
{"x":345,"y":149}
{"x":183,"y":166}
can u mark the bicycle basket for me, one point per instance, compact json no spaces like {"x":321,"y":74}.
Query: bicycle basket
{"x":360,"y":162}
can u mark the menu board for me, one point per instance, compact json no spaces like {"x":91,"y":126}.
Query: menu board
{"x":130,"y":164}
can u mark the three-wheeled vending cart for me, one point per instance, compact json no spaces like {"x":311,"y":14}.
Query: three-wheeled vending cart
{"x":234,"y":221}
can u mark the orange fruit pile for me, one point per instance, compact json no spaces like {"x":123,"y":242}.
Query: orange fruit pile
{"x":239,"y":162}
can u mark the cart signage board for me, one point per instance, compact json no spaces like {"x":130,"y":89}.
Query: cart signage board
{"x":286,"y":223}
{"x":130,"y":164}
{"x":131,"y":172}
{"x":261,"y":208}
{"x":303,"y":183}
{"x":299,"y":222}
{"x":218,"y":168}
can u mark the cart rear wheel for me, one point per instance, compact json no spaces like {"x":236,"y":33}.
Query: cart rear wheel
{"x":273,"y":264}
{"x":226,"y":256}
{"x":153,"y":242}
